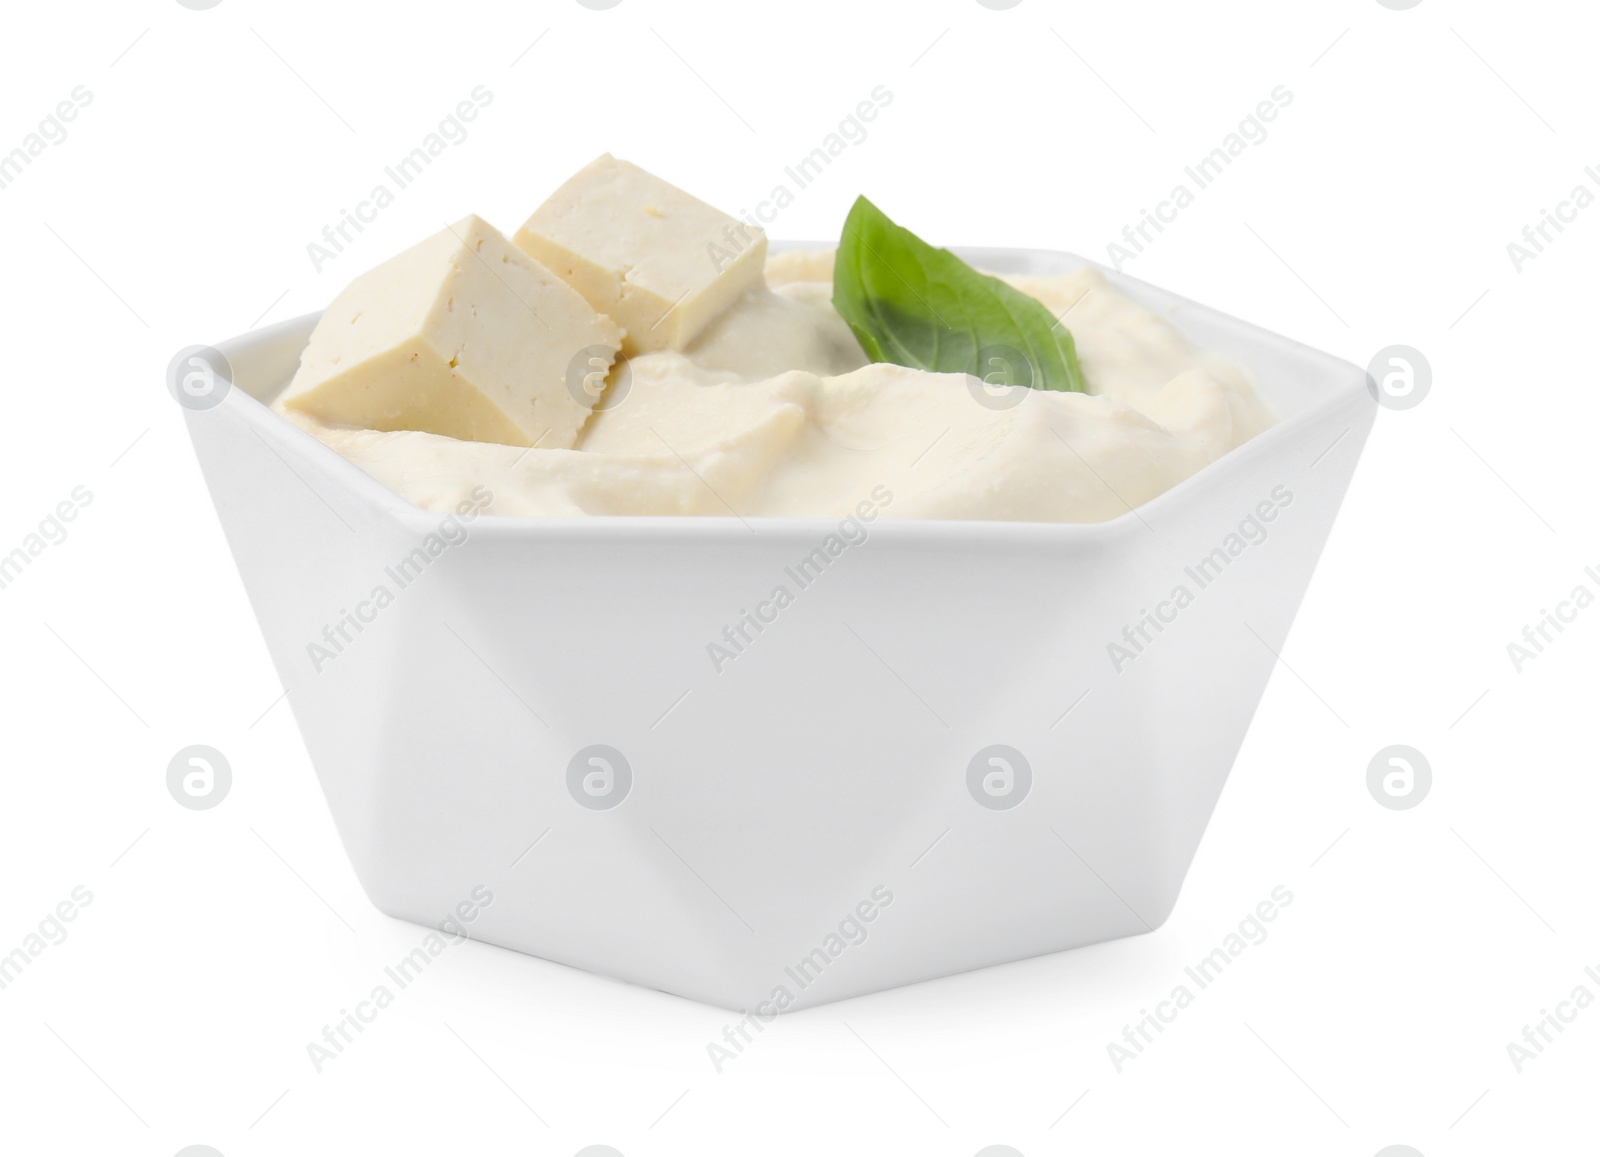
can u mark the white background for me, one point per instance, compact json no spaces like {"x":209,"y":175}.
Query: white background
{"x":178,"y":210}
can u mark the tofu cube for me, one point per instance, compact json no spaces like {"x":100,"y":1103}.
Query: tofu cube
{"x":658,"y":261}
{"x":463,"y":335}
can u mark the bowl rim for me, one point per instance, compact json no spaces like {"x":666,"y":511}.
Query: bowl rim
{"x":723,"y":530}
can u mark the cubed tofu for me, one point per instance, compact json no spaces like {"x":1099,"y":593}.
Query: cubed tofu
{"x":658,"y":261}
{"x":464,"y":335}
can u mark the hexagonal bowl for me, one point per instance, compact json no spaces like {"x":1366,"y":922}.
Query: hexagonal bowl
{"x":963,"y":743}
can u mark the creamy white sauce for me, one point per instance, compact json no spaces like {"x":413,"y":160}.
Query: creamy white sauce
{"x":774,"y":411}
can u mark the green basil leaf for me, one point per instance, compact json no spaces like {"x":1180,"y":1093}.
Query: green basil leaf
{"x":914,"y":305}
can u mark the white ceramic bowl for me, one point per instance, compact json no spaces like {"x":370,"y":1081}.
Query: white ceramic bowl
{"x":824,"y":817}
